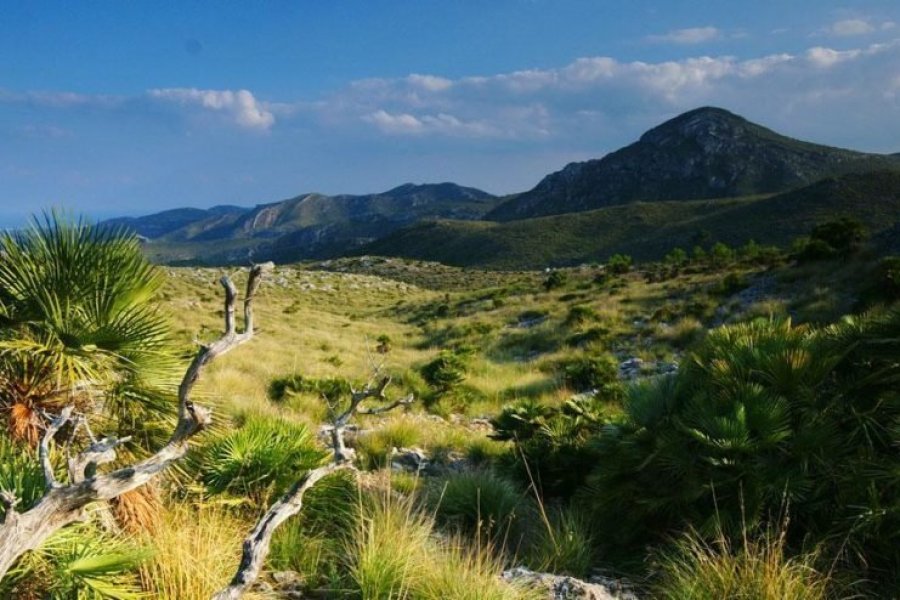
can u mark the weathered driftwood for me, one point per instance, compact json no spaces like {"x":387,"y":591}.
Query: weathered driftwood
{"x":63,"y":504}
{"x":256,"y":545}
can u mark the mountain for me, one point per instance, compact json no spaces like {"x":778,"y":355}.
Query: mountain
{"x":159,"y":224}
{"x":705,"y":153}
{"x":648,"y":230}
{"x":306,"y":226}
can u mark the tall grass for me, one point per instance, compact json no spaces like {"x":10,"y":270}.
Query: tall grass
{"x":758,"y":569}
{"x":198,"y":547}
{"x":397,"y":555}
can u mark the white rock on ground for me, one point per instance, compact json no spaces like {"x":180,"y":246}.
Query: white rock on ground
{"x":563,"y":587}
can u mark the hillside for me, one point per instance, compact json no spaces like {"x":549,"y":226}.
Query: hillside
{"x":306,"y":226}
{"x":648,"y":230}
{"x":704,"y":153}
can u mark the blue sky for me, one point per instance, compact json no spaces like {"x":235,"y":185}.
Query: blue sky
{"x":112,"y":108}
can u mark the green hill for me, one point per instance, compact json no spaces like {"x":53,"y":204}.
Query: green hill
{"x":648,"y":230}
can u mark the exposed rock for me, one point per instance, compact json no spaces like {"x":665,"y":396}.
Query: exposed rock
{"x":563,"y":587}
{"x":410,"y":460}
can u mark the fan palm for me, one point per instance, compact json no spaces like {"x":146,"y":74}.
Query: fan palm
{"x":77,"y":325}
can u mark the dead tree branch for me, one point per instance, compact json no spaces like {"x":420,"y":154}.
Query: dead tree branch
{"x":65,"y":504}
{"x":256,"y":545}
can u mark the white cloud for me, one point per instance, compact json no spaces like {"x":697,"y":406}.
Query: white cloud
{"x":442,"y":123}
{"x":691,"y":35}
{"x":827,"y":57}
{"x":429,"y":82}
{"x":848,"y":27}
{"x":240,"y":106}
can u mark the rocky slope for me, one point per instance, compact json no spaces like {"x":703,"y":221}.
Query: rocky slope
{"x":704,"y":153}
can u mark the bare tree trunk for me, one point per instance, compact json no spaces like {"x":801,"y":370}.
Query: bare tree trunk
{"x":256,"y":545}
{"x":65,"y":504}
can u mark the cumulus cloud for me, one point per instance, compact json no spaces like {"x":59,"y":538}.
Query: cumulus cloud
{"x":691,"y":35}
{"x":239,"y":106}
{"x":849,"y":27}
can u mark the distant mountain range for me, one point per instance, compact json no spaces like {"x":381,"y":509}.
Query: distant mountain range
{"x":706,"y":172}
{"x":307,"y":226}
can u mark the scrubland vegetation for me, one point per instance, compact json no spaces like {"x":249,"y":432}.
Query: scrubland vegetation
{"x":721,"y":424}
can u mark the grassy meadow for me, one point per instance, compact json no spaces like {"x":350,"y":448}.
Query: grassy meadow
{"x":653,"y":423}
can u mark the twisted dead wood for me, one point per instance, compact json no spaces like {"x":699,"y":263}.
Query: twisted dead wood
{"x":255,"y":547}
{"x":63,"y":504}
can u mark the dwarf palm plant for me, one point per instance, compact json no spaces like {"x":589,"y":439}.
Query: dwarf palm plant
{"x":77,"y":325}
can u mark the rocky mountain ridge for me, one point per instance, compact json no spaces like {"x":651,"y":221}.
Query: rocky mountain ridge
{"x":705,"y":153}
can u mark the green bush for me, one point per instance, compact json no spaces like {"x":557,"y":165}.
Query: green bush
{"x":332,"y":389}
{"x":260,"y":459}
{"x":561,"y":543}
{"x":764,"y":416}
{"x":591,"y":372}
{"x":619,"y":263}
{"x":556,"y":279}
{"x":844,"y":235}
{"x":551,"y":445}
{"x":445,"y":372}
{"x":479,"y":502}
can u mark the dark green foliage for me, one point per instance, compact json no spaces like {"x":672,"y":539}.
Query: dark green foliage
{"x":79,"y":562}
{"x":764,"y":418}
{"x":844,"y":235}
{"x":837,"y":238}
{"x":590,"y":371}
{"x":619,"y":263}
{"x":888,"y":278}
{"x":580,"y":314}
{"x":479,"y":502}
{"x":260,"y":459}
{"x":20,"y":474}
{"x":720,"y":254}
{"x":732,"y":283}
{"x":556,"y":279}
{"x":677,"y":257}
{"x":552,"y":448}
{"x":445,"y":372}
{"x":330,"y":388}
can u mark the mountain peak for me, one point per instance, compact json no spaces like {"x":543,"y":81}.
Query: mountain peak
{"x":704,"y":153}
{"x":705,"y":121}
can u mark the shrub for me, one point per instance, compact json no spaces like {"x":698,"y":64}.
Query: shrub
{"x":551,"y":448}
{"x":764,"y":414}
{"x":561,"y":543}
{"x":619,"y":263}
{"x":720,"y":254}
{"x":556,"y":279}
{"x":260,"y":459}
{"x":445,"y":372}
{"x":331,"y":388}
{"x":580,"y":314}
{"x":591,"y":372}
{"x":677,"y":257}
{"x":80,"y":561}
{"x":844,"y":235}
{"x":479,"y":502}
